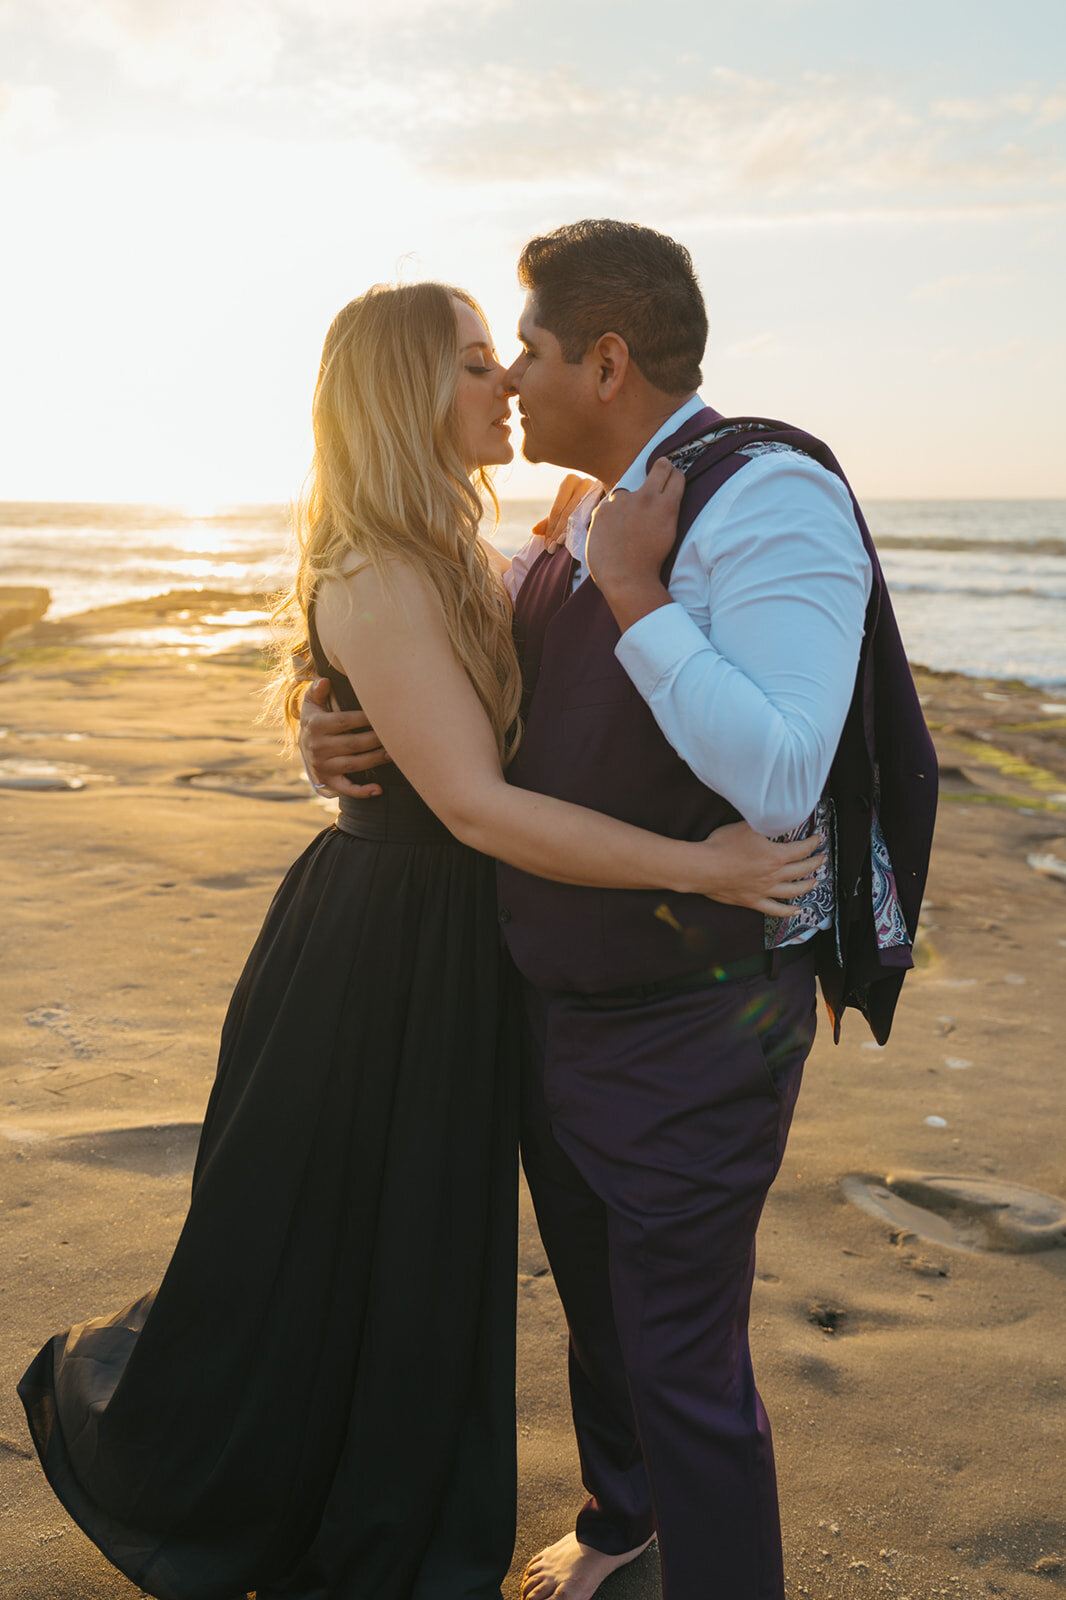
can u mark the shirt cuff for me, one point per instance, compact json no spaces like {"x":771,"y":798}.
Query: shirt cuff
{"x":657,"y":647}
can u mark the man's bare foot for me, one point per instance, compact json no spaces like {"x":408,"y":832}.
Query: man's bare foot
{"x":572,"y":1571}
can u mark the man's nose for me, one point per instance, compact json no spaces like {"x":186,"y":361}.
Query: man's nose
{"x":510,"y":376}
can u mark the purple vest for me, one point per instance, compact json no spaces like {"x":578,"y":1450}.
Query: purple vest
{"x":590,"y":738}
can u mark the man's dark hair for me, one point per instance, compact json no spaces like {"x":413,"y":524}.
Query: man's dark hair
{"x":595,"y":277}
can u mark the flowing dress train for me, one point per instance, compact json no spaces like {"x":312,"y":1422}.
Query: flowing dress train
{"x":317,"y":1403}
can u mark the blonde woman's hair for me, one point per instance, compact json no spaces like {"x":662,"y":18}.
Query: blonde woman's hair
{"x":388,"y":482}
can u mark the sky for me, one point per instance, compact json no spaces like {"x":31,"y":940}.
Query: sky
{"x":874,"y":197}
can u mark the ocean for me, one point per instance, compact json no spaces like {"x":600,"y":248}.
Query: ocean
{"x":979,"y":586}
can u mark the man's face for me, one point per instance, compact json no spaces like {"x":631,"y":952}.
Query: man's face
{"x":556,"y":398}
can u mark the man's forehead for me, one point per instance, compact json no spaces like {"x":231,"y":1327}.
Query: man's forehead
{"x":527,"y":321}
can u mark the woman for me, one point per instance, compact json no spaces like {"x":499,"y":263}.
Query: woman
{"x":318,"y":1400}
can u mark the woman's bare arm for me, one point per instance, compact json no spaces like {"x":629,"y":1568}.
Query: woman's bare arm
{"x":390,"y":641}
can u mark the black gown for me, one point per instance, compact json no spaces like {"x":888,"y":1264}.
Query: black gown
{"x":318,"y":1400}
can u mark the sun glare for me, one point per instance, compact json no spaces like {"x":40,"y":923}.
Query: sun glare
{"x":200,"y":510}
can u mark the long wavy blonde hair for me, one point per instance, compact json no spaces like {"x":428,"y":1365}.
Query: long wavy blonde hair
{"x":388,"y":483}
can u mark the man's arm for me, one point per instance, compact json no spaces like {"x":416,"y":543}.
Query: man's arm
{"x":334,"y":743}
{"x":748,"y":664}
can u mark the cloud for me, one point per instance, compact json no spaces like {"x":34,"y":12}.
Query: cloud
{"x":961,"y":110}
{"x":1051,"y":109}
{"x":400,"y":75}
{"x":1040,"y":110}
{"x":739,"y":136}
{"x":209,"y":47}
{"x":853,"y":216}
{"x":745,"y":150}
{"x":204,"y":45}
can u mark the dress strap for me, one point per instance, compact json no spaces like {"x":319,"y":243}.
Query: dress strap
{"x":344,"y":695}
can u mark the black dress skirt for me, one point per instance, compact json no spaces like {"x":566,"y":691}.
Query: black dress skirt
{"x":318,"y":1400}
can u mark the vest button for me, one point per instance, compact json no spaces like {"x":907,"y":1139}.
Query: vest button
{"x":505,"y":916}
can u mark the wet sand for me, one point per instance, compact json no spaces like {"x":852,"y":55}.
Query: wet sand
{"x":909,"y":1347}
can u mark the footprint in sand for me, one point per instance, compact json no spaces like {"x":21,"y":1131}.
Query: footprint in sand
{"x":828,"y":1318}
{"x":1035,"y":1545}
{"x":229,"y":880}
{"x":815,"y":1370}
{"x":252,"y":785}
{"x":58,"y":1019}
{"x":163,"y":1150}
{"x":963,"y":1213}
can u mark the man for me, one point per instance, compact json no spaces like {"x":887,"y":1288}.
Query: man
{"x":746,"y":666}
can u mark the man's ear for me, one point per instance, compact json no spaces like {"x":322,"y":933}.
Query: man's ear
{"x":610,"y":356}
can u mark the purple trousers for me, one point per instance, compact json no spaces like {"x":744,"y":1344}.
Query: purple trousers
{"x":652,"y":1131}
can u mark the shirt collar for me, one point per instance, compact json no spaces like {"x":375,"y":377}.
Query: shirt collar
{"x":577,"y":528}
{"x":634,"y":475}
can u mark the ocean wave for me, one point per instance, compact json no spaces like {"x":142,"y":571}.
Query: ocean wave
{"x":74,"y":515}
{"x":979,"y":587}
{"x":976,"y":592}
{"x":1047,"y":546}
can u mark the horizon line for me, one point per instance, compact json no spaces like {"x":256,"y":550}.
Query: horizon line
{"x":221,"y":507}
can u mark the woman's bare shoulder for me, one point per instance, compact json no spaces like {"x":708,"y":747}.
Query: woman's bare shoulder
{"x":396,"y":594}
{"x":393,"y":576}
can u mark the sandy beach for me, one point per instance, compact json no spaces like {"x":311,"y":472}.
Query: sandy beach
{"x":910,"y":1305}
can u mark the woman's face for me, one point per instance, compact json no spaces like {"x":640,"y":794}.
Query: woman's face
{"x":482,"y":397}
